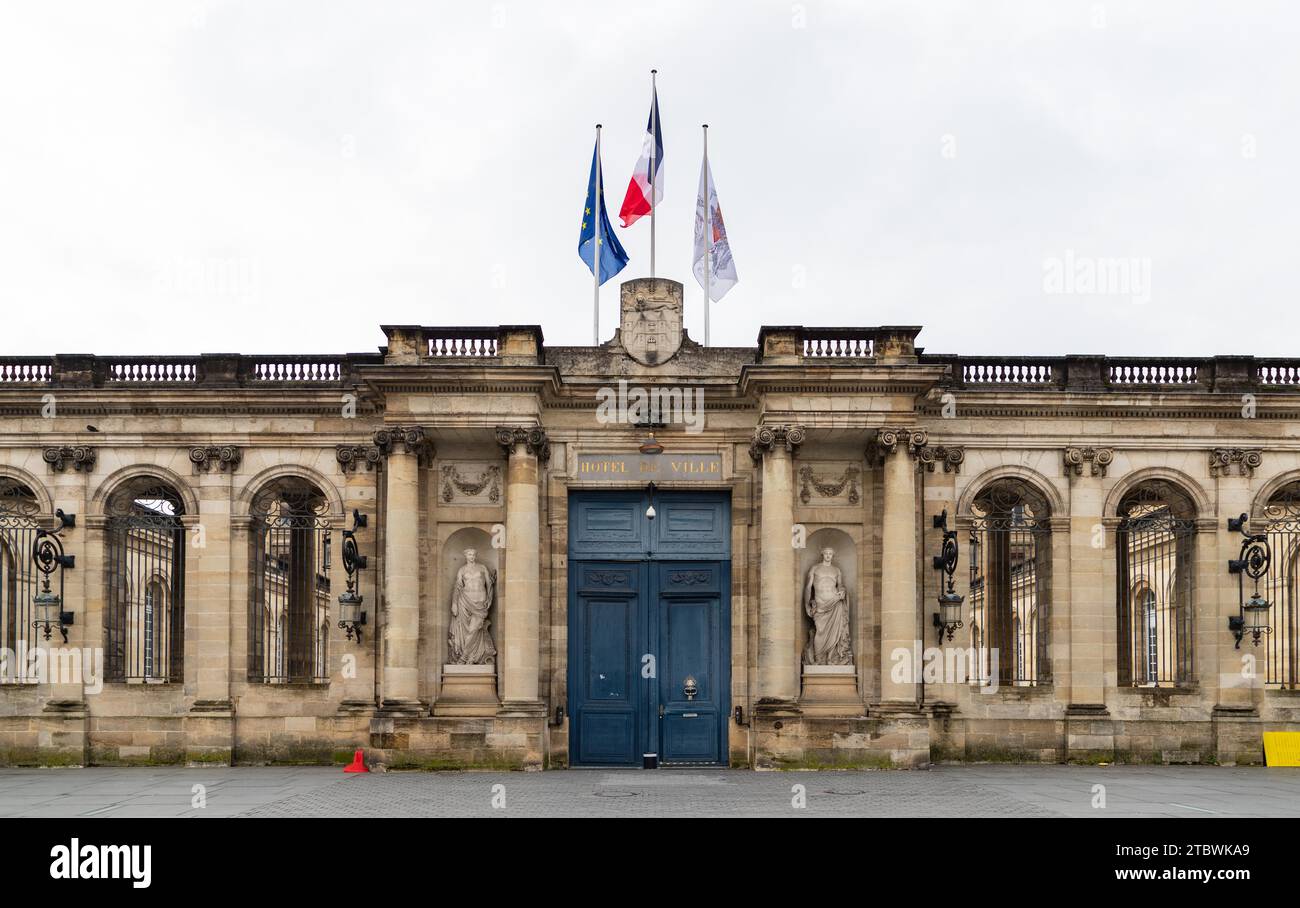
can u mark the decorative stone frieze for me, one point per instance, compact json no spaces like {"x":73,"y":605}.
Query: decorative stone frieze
{"x":1246,"y":460}
{"x":412,"y":439}
{"x":533,"y":439}
{"x":770,"y":438}
{"x":890,"y":438}
{"x":951,"y":456}
{"x":352,"y":456}
{"x":82,"y":458}
{"x":226,"y":457}
{"x":470,"y":483}
{"x":840,"y":490}
{"x":1098,"y":460}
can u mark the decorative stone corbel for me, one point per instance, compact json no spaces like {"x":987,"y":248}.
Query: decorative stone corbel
{"x":769,"y":438}
{"x":412,"y":439}
{"x":890,"y":438}
{"x":1246,"y":459}
{"x":82,"y":458}
{"x":226,"y":457}
{"x":951,"y":456}
{"x":349,"y":456}
{"x":533,"y":439}
{"x":1098,"y":459}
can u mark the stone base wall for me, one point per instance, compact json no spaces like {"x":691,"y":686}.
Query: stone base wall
{"x":66,"y":735}
{"x":425,"y":742}
{"x":1222,"y":740}
{"x":819,"y":742}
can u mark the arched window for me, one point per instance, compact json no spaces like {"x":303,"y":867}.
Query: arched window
{"x":1282,"y":646}
{"x":1153,"y":551}
{"x":289,"y":582}
{"x":144,"y":620}
{"x":1010,"y":582}
{"x":19,"y":522}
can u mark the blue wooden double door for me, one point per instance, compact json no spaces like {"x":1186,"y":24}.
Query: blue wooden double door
{"x":649,"y":628}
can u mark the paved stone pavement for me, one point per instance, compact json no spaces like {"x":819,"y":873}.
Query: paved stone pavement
{"x":945,"y":791}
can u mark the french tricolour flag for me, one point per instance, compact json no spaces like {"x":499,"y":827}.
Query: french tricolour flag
{"x":638,"y":200}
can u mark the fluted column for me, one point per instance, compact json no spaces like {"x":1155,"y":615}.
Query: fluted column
{"x":404,"y":447}
{"x":898,"y":614}
{"x":521,"y":589}
{"x":778,"y":606}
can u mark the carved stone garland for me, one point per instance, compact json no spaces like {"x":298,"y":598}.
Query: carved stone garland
{"x":453,"y":482}
{"x":810,"y":482}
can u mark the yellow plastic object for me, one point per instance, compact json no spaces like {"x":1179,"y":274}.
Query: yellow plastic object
{"x":1282,"y":748}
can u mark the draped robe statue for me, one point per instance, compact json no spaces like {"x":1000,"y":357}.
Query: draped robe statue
{"x":826,"y":602}
{"x":469,"y":639}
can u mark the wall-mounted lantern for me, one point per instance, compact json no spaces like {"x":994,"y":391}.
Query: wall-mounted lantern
{"x":948,"y":618}
{"x":351,"y":616}
{"x":1253,"y":562}
{"x":49,"y":558}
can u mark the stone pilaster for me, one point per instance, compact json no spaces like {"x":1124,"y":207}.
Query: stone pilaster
{"x":405,"y":447}
{"x":894,"y":449}
{"x":1223,"y":669}
{"x":526,"y":449}
{"x":62,"y":726}
{"x":209,"y":606}
{"x":778,"y":607}
{"x":1091,"y":541}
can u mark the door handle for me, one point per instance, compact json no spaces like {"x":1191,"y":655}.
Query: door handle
{"x":661,"y":710}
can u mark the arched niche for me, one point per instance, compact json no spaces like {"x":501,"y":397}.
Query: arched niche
{"x":846,"y":559}
{"x":452,"y":559}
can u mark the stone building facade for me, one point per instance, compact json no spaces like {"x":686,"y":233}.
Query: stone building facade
{"x":659,"y":552}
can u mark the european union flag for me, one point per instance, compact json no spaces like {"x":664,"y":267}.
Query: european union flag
{"x":612,"y":257}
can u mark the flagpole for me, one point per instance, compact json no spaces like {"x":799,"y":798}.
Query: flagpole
{"x":708,"y":235}
{"x":654,"y":170}
{"x":595,"y":252}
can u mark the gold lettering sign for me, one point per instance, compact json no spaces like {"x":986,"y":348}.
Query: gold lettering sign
{"x":647,"y":467}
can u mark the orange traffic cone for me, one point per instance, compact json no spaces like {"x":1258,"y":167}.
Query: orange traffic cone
{"x":358,"y":764}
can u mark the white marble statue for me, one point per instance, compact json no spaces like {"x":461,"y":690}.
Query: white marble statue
{"x":469,"y":639}
{"x":826,"y":602}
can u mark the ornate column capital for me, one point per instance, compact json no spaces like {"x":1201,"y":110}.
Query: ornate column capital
{"x":226,"y":457}
{"x":534,"y":440}
{"x":1098,"y":458}
{"x":889,"y":438}
{"x":82,"y":457}
{"x":771,"y":438}
{"x":349,"y":456}
{"x":1246,"y":459}
{"x":951,"y":456}
{"x":412,"y":439}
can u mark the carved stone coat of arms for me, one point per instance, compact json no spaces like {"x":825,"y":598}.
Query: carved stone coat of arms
{"x":651,"y":326}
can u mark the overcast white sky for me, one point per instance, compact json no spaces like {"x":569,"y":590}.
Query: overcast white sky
{"x":184,"y":177}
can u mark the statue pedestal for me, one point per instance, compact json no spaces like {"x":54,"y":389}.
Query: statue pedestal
{"x":830,"y":690}
{"x":467,"y":690}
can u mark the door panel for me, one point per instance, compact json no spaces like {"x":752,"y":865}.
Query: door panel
{"x":690,"y":614}
{"x":636,"y":588}
{"x":608,"y":691}
{"x":609,"y":525}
